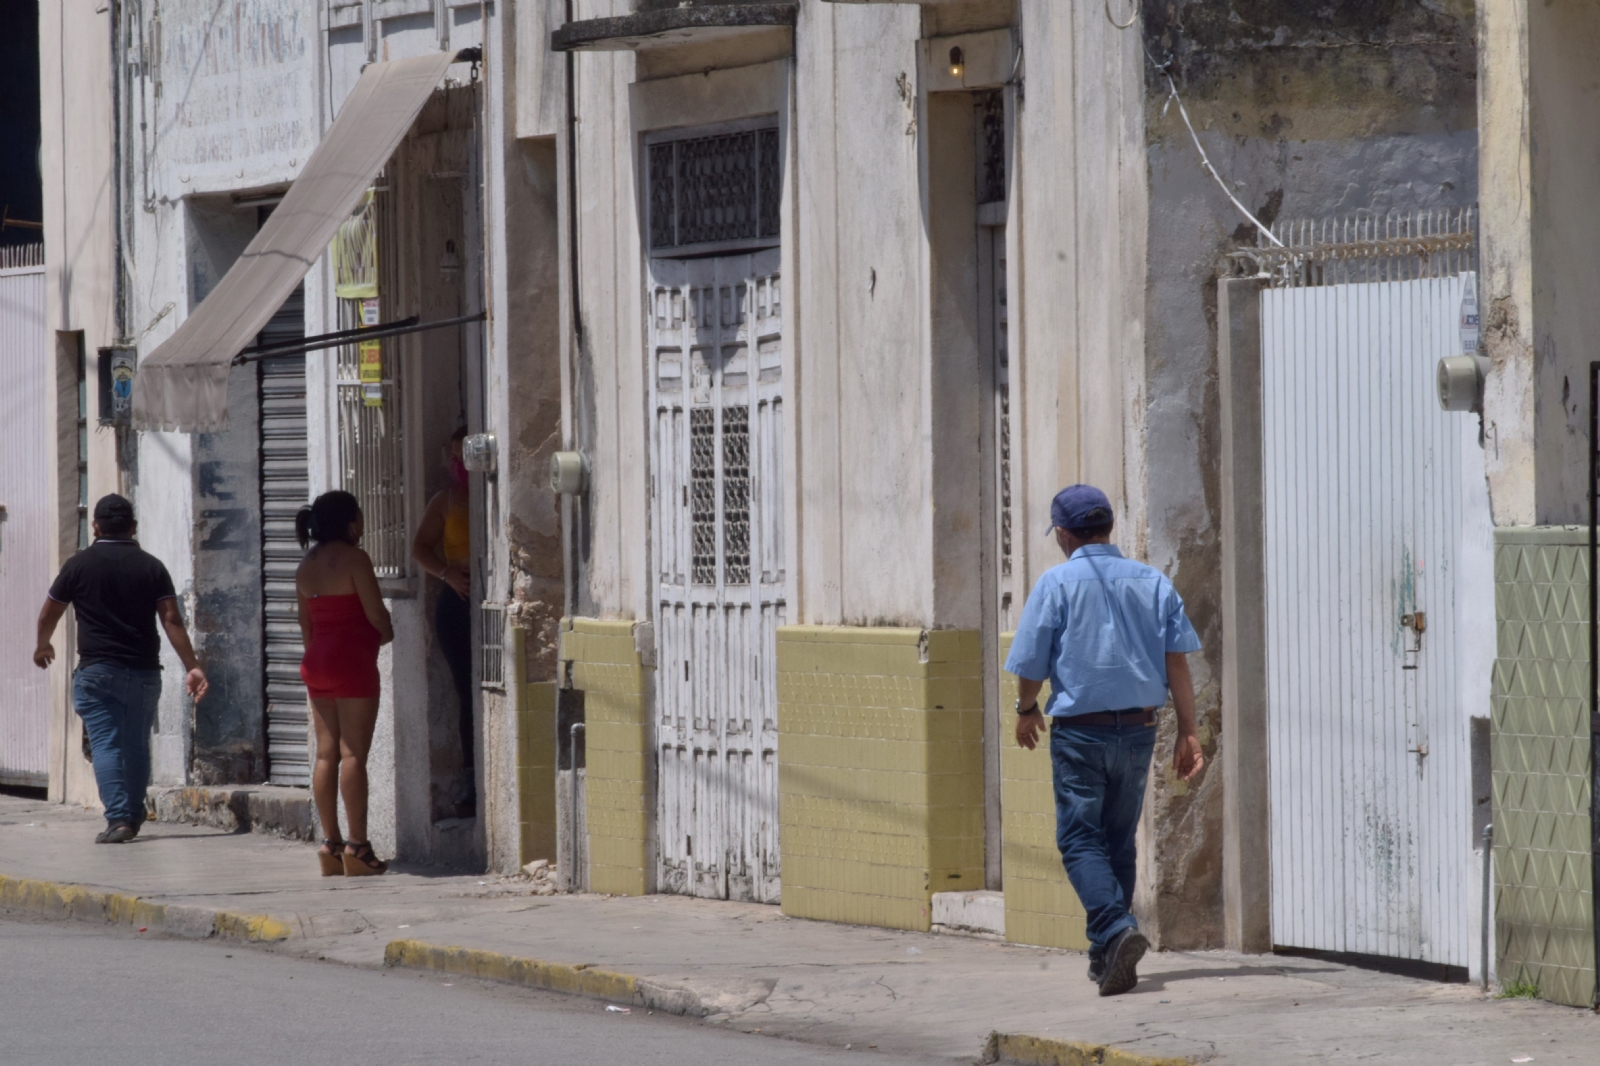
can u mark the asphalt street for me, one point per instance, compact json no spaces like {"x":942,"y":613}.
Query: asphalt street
{"x":75,"y":995}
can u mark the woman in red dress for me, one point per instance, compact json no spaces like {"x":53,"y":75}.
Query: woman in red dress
{"x":343,"y":623}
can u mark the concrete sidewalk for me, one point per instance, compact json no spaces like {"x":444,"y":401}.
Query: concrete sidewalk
{"x":749,"y":967}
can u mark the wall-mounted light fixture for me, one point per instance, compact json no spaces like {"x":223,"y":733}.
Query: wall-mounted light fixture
{"x":958,"y":63}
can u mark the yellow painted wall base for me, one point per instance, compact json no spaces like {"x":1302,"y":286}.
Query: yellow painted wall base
{"x":536,"y":758}
{"x":880,"y":771}
{"x":1041,"y":907}
{"x":619,"y":795}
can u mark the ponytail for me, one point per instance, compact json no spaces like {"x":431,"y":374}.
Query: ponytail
{"x":304,"y":528}
{"x":327,"y":519}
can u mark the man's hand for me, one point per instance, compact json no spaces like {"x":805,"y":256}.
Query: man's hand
{"x":196,"y":684}
{"x":1028,"y":728}
{"x":1187,"y":758}
{"x":44,"y":653}
{"x":1029,"y":724}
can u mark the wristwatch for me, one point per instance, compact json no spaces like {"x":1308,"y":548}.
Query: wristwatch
{"x":1034,"y":709}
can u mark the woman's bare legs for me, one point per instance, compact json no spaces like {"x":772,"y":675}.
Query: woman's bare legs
{"x":357,"y":719}
{"x":325,"y":772}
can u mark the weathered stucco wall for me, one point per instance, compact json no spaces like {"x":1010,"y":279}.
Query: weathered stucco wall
{"x":863,"y":431}
{"x":606,"y":359}
{"x":1077,"y":239}
{"x":533,"y":398}
{"x":1307,"y":111}
{"x":228,"y":101}
{"x":1541,"y":235}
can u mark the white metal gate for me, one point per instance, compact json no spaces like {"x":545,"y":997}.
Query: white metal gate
{"x":1366,"y":493}
{"x":27,"y":522}
{"x":716,"y":371}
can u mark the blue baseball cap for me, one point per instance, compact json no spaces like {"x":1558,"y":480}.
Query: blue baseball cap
{"x":1078,"y":506}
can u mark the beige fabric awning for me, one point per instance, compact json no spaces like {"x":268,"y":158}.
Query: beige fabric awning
{"x":183,"y":384}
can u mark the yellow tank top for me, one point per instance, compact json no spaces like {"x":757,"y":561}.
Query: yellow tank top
{"x":457,"y":534}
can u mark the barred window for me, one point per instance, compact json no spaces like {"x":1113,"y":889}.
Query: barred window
{"x":715,"y":192}
{"x":703,"y":493}
{"x":371,"y":430}
{"x":736,"y":495}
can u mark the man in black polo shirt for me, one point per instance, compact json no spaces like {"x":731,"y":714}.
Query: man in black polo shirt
{"x":118,"y":591}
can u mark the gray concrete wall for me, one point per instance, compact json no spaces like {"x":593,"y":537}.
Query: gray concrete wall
{"x":226,"y":107}
{"x":229,"y":725}
{"x":1306,"y":112}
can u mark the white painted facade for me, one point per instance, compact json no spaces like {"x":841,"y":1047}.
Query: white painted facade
{"x":889,"y":502}
{"x":899,"y":294}
{"x":217,"y":113}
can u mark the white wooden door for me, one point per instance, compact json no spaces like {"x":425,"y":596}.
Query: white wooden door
{"x":716,"y":371}
{"x":1367,"y":490}
{"x":27,"y":525}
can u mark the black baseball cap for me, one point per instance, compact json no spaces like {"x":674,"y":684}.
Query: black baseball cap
{"x":113,"y":508}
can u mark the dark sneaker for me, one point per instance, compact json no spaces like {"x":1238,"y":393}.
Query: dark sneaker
{"x":1097,"y":970}
{"x":1122,"y":962}
{"x":117,"y":834}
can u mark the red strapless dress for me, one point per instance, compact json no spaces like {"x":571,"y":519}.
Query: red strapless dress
{"x":341,"y":659}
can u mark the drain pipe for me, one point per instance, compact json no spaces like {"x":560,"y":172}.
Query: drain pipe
{"x":1488,"y":878}
{"x":574,"y":883}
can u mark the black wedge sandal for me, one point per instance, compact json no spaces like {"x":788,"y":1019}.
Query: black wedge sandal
{"x":331,"y":857}
{"x":359,"y":861}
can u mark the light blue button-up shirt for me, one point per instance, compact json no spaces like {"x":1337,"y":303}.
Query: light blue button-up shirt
{"x":1099,"y":627}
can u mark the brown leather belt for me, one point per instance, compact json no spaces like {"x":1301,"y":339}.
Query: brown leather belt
{"x":1138,"y":716}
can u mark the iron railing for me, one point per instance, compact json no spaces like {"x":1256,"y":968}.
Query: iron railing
{"x":1364,"y":247}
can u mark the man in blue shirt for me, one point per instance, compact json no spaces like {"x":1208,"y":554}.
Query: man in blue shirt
{"x":1111,"y":637}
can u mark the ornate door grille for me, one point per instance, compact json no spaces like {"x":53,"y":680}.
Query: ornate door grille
{"x":715,"y":192}
{"x":716,"y":352}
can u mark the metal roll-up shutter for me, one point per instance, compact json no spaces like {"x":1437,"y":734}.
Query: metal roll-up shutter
{"x":285,"y":488}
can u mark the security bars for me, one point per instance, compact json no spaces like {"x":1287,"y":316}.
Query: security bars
{"x":714,"y":192}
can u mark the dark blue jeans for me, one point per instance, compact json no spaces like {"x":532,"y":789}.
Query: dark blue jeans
{"x":1099,"y":774}
{"x":118,"y":705}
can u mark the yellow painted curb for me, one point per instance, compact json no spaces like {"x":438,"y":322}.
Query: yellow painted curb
{"x":574,"y":979}
{"x":51,"y":900}
{"x":1040,"y":1051}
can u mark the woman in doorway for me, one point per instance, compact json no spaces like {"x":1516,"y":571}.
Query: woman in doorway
{"x":343,"y":622}
{"x":443,"y":548}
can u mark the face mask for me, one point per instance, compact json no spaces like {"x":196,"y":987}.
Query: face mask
{"x":458,"y":471}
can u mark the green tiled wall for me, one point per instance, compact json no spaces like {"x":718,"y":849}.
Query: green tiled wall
{"x":618,"y":796}
{"x":880,"y":771}
{"x":1544,"y":908}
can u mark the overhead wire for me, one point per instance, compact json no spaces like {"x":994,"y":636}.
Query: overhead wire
{"x":1165,"y":70}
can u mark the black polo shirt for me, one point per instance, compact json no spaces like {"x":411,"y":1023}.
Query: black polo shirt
{"x":115,"y":586}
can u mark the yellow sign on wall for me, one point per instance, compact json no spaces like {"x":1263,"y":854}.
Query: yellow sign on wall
{"x":371,"y":359}
{"x":371,"y":362}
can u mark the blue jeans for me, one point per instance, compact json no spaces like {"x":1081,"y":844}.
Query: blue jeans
{"x":1099,"y":774}
{"x":118,"y":705}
